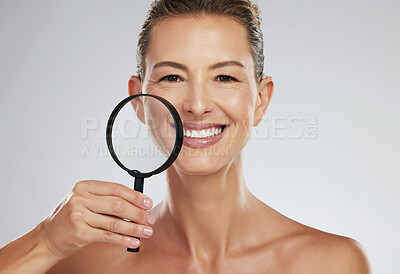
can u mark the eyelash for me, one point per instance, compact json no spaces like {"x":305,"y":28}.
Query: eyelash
{"x":165,"y":78}
{"x":231,"y":78}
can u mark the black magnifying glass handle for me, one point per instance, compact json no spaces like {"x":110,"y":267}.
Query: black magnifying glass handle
{"x":138,"y":186}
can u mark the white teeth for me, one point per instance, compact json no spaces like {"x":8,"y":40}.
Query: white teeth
{"x":204,"y":133}
{"x":195,"y":134}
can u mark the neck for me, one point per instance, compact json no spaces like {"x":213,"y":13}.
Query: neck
{"x":207,"y":213}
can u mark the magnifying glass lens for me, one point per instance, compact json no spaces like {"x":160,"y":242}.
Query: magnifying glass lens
{"x":143,"y":134}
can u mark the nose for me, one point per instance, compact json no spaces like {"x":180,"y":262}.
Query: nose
{"x":198,"y":101}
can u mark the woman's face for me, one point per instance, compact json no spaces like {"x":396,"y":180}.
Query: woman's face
{"x":204,"y":67}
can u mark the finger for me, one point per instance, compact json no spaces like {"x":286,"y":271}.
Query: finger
{"x":119,"y":207}
{"x":118,"y":225}
{"x":102,"y":188}
{"x":100,"y":235}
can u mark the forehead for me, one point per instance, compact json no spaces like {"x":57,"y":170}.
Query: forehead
{"x":199,"y":39}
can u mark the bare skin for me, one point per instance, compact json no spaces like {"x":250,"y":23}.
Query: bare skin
{"x":209,"y":222}
{"x":294,"y":249}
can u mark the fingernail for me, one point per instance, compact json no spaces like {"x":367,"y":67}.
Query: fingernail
{"x":147,"y":202}
{"x":134,"y":242}
{"x":151,"y":219}
{"x":147,"y":231}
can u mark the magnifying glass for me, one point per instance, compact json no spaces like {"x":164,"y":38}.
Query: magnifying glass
{"x":144,"y":136}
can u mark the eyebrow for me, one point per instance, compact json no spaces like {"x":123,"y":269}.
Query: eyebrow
{"x":211,"y":67}
{"x":225,"y":64}
{"x":170,"y":64}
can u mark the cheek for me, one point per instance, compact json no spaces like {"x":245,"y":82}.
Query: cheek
{"x":239,"y":106}
{"x":159,"y":122}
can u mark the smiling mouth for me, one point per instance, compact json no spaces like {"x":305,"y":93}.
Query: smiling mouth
{"x":205,"y":132}
{"x":202,"y":131}
{"x":193,"y":130}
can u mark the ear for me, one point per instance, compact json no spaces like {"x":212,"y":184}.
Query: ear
{"x":265,"y":91}
{"x":135,"y":87}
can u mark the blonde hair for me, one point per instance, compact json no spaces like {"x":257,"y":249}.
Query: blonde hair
{"x":243,"y":11}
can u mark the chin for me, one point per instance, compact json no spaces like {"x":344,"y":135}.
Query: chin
{"x":201,"y":161}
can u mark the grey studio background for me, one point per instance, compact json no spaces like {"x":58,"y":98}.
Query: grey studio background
{"x":326,"y":154}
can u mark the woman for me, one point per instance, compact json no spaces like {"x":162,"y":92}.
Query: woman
{"x":206,"y":58}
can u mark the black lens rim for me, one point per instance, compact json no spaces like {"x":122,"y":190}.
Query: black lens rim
{"x":178,"y":140}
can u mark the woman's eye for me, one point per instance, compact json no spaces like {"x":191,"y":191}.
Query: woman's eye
{"x":226,"y":78}
{"x":171,"y":78}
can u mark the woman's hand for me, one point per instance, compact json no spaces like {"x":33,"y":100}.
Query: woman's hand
{"x":94,"y":211}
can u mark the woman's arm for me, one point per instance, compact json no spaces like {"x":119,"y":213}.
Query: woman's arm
{"x":27,"y":254}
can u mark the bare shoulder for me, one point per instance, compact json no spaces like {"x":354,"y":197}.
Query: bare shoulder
{"x":320,"y":252}
{"x":298,"y":248}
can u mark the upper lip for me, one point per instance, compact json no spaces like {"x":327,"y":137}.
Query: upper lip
{"x":199,"y":126}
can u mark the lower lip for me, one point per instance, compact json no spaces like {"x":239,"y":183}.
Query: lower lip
{"x":203,"y":142}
